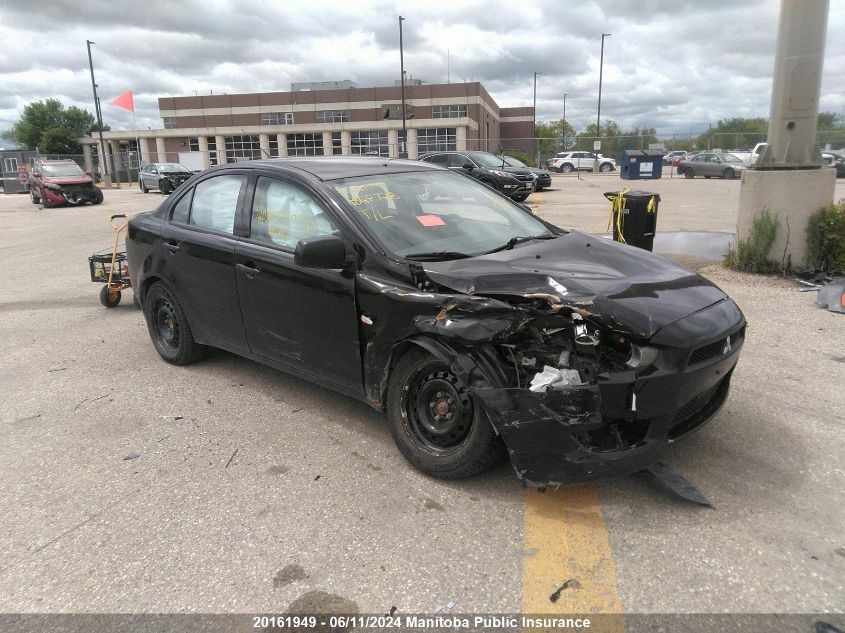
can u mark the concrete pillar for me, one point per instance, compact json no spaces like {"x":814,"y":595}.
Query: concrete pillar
{"x":112,"y":153}
{"x":393,"y":143}
{"x":220,"y":142}
{"x":144,"y":149}
{"x":203,"y":143}
{"x":412,"y":143}
{"x":264,"y":144}
{"x":462,"y":138}
{"x":86,"y":158}
{"x":161,"y":153}
{"x":327,"y":143}
{"x":345,"y":143}
{"x":282,"y":141}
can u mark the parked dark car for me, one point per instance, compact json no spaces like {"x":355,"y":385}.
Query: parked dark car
{"x":835,"y":160}
{"x":543,"y":178}
{"x":163,"y":176}
{"x":479,"y":329}
{"x":487,"y":168}
{"x":58,"y":182}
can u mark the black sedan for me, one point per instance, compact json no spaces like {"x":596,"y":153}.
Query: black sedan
{"x":163,"y":176}
{"x":479,"y":329}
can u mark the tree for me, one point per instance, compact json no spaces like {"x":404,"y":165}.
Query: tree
{"x":52,"y":128}
{"x":552,"y":137}
{"x":738,"y":132}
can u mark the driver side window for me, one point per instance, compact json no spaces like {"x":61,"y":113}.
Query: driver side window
{"x":283,"y":214}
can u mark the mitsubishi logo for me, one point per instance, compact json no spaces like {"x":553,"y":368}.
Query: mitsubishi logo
{"x":727,"y":348}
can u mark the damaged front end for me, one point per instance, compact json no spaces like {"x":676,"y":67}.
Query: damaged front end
{"x":72,"y":194}
{"x":576,"y":390}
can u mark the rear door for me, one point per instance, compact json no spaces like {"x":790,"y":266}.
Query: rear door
{"x":304,"y":318}
{"x":199,"y":246}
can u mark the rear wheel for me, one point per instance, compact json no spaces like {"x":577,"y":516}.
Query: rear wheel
{"x":689,"y":173}
{"x":434,"y":421}
{"x":168,"y":327}
{"x":729,"y":174}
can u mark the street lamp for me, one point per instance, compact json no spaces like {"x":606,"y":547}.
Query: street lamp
{"x":563,"y":124}
{"x":403,"y":146}
{"x":598,"y":113}
{"x":534,"y":123}
{"x":104,"y":167}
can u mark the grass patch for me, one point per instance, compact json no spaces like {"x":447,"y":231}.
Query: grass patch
{"x":752,"y":255}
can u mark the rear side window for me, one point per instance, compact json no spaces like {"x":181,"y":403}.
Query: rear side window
{"x":215,"y":203}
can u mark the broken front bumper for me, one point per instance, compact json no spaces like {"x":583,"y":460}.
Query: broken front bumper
{"x":623,"y":424}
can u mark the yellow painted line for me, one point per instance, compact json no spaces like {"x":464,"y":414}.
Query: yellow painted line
{"x":565,"y":539}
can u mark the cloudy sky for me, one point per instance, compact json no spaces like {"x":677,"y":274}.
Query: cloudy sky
{"x":674,"y":65}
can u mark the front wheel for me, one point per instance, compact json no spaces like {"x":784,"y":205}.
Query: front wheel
{"x":567,"y":168}
{"x":689,"y":173}
{"x":35,"y":199}
{"x":164,"y":187}
{"x":108,"y":297}
{"x":168,"y":327}
{"x":98,"y":196}
{"x":434,"y":421}
{"x":605,"y":168}
{"x":522,"y":197}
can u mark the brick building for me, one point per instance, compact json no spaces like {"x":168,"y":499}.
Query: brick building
{"x":324,"y":118}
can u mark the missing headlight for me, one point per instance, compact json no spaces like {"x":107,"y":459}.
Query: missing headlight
{"x":642,"y":356}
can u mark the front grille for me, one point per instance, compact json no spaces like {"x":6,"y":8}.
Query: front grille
{"x":523,"y":177}
{"x":75,"y":187}
{"x":717,"y":348}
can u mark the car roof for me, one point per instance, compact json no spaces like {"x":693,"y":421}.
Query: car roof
{"x":334,"y":167}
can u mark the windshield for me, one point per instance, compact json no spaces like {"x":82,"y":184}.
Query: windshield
{"x":487,"y":160}
{"x":62,"y":170}
{"x":514,"y":162}
{"x":171,"y":167}
{"x":436,"y":214}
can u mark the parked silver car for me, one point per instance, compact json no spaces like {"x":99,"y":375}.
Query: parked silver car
{"x":163,"y":176}
{"x":711,"y":165}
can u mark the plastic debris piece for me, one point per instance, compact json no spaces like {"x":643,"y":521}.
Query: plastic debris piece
{"x":550,"y":376}
{"x":131,"y":456}
{"x":668,"y":479}
{"x":832,"y":296}
{"x":572,"y":582}
{"x":450,"y":604}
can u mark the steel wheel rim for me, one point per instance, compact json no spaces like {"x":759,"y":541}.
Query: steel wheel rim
{"x":438,"y":410}
{"x":166,"y":325}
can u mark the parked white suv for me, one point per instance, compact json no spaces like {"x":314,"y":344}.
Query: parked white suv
{"x":568,"y":162}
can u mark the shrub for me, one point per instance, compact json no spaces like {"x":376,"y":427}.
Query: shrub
{"x":752,"y":255}
{"x":826,"y":238}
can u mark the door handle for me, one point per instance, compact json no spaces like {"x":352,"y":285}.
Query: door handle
{"x":249,"y":271}
{"x":172,"y":247}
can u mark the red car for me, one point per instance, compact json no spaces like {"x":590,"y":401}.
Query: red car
{"x":55,"y":182}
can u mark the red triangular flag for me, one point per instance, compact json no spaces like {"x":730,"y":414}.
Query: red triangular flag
{"x":124,"y":101}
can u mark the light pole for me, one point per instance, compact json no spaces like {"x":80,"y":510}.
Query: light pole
{"x":403,"y":146}
{"x":598,"y":112}
{"x":563,"y":125}
{"x":104,"y":168}
{"x":534,"y":123}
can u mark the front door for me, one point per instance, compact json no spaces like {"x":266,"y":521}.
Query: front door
{"x":301,"y":317}
{"x":199,"y":238}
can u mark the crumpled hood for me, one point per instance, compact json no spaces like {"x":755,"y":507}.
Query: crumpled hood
{"x":626,"y":288}
{"x":66,"y":180}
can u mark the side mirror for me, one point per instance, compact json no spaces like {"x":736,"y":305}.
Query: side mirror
{"x":322,"y":251}
{"x":468,"y":166}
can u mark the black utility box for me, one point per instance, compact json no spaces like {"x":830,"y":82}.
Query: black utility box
{"x":634,"y":217}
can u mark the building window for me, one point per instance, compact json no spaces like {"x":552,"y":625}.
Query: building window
{"x":239,"y":148}
{"x":169,"y":122}
{"x":337,"y":143}
{"x":10,"y":164}
{"x":274,"y":145}
{"x":305,"y":144}
{"x":437,"y":139}
{"x":370,"y":143}
{"x":448,"y":111}
{"x":194,"y":144}
{"x":332,"y":116}
{"x":277,"y":118}
{"x":212,"y":150}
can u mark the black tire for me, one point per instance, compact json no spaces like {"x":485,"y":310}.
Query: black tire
{"x":143,"y":186}
{"x":729,"y":174}
{"x":109,"y":299}
{"x":164,"y":187}
{"x":168,"y":327}
{"x":689,"y":173}
{"x":567,"y":168}
{"x":35,"y":199}
{"x":423,"y":388}
{"x":98,"y":196}
{"x":605,"y":168}
{"x":521,"y":197}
